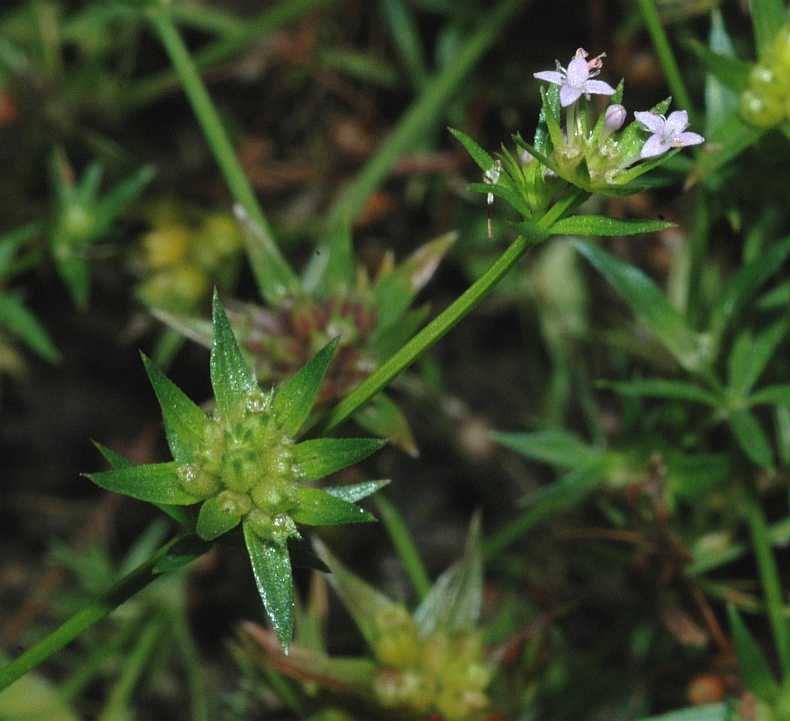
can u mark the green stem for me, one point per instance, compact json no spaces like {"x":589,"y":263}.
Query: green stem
{"x":90,"y":614}
{"x":424,"y":112}
{"x":254,"y":30}
{"x":133,"y":667}
{"x":665,"y":55}
{"x":450,"y":316}
{"x":274,"y":275}
{"x":207,"y":19}
{"x":769,"y":577}
{"x":404,"y":545}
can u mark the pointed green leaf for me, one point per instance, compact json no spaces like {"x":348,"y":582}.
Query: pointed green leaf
{"x":755,"y":671}
{"x":356,"y":491}
{"x":731,"y":72}
{"x":185,"y":422}
{"x":74,"y":271}
{"x":108,"y":209}
{"x":775,"y":395}
{"x":455,"y":600}
{"x":154,"y":483}
{"x":320,"y":457}
{"x":396,"y":291}
{"x":214,"y":519}
{"x":338,"y":274}
{"x":768,"y":16}
{"x":601,"y":225}
{"x":17,"y":319}
{"x":382,"y":417}
{"x":745,"y":283}
{"x":776,"y":298}
{"x":11,"y":241}
{"x":295,"y":398}
{"x":557,"y":448}
{"x":663,"y":388}
{"x":231,"y":376}
{"x":751,"y":438}
{"x":271,"y":567}
{"x":319,"y":508}
{"x":117,"y":461}
{"x":362,"y":601}
{"x":750,"y":356}
{"x":483,"y":159}
{"x":651,"y":307}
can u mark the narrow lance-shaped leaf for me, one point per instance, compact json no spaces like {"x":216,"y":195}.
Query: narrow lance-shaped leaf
{"x":774,"y":395}
{"x":663,"y":388}
{"x":271,"y":567}
{"x":356,"y":491}
{"x":382,"y":417}
{"x":483,"y":159}
{"x":455,"y":600}
{"x":117,"y":461}
{"x":231,"y":377}
{"x":185,"y":422}
{"x":651,"y":306}
{"x":154,"y":483}
{"x":601,"y":225}
{"x":751,"y":438}
{"x":338,"y":273}
{"x":316,"y":507}
{"x":395,"y":292}
{"x":11,"y":241}
{"x":363,"y":602}
{"x":557,"y":448}
{"x":756,"y":673}
{"x":731,"y":72}
{"x":768,"y":16}
{"x":750,"y":356}
{"x":295,"y":398}
{"x":320,"y":457}
{"x":17,"y":319}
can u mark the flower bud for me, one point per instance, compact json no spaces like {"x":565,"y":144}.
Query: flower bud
{"x":615,"y":117}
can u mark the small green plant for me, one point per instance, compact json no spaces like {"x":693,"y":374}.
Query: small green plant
{"x":242,"y":464}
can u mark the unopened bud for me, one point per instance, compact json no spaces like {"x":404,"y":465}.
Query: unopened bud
{"x":615,"y":117}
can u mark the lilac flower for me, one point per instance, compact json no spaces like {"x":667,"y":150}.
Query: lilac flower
{"x":575,"y":80}
{"x":614,"y":117}
{"x":667,"y":132}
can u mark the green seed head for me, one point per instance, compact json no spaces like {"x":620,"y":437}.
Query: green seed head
{"x":763,"y":111}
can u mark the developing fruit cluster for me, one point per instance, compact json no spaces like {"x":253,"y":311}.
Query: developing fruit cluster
{"x":766,"y":102}
{"x":281,"y":340}
{"x":443,"y":672}
{"x":246,"y":462}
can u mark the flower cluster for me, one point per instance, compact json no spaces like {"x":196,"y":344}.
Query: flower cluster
{"x":766,"y":101}
{"x":599,"y":155}
{"x":242,"y":464}
{"x":183,"y":254}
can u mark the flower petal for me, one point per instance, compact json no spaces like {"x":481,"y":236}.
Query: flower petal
{"x":569,"y":95}
{"x":550,"y":76}
{"x":598,"y":87}
{"x":654,"y":147}
{"x":677,"y":122}
{"x":652,"y":121}
{"x":684,"y":139}
{"x":578,"y":72}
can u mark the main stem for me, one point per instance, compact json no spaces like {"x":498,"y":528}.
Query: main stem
{"x":274,"y":275}
{"x":93,"y":612}
{"x":452,"y":315}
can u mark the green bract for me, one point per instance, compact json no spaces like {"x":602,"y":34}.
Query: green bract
{"x":242,"y":464}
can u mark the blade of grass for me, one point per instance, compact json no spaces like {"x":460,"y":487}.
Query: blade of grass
{"x":425,"y":112}
{"x":404,"y":546}
{"x":272,"y":272}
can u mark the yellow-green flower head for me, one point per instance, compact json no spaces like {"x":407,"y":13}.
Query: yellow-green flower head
{"x":242,"y":464}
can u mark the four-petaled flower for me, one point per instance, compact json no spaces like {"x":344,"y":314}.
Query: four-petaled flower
{"x":576,"y":79}
{"x":667,"y":132}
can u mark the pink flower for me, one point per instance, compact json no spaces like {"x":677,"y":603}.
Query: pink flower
{"x":575,"y":81}
{"x":667,"y":132}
